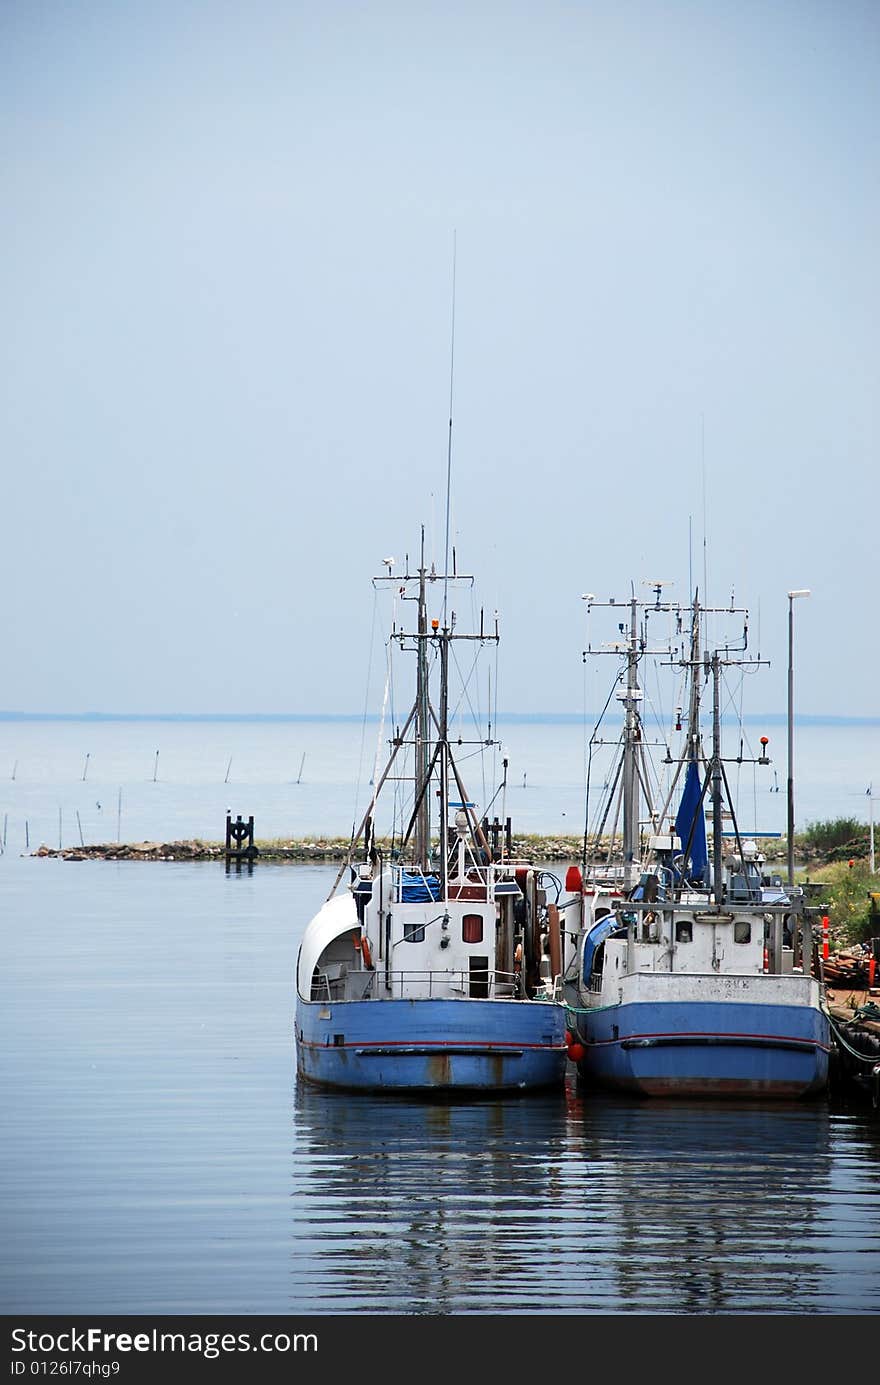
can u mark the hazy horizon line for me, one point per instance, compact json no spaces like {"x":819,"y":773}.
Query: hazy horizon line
{"x":521,"y":718}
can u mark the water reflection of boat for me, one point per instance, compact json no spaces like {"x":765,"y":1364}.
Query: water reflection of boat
{"x":565,"y":1204}
{"x":425,"y":973}
{"x":707,"y":1207}
{"x":413,"y":1205}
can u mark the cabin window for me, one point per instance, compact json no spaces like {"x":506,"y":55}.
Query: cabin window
{"x":413,"y":932}
{"x":684,"y":931}
{"x":742,"y":931}
{"x":472,"y":928}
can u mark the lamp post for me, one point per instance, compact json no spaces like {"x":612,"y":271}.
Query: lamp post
{"x":791,"y":600}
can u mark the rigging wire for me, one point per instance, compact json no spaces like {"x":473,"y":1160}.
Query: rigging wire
{"x":479,"y":715}
{"x":614,"y":685}
{"x":360,"y":770}
{"x":465,"y":684}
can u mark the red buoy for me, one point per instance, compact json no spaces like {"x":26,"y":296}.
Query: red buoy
{"x":573,"y":881}
{"x":576,"y":1052}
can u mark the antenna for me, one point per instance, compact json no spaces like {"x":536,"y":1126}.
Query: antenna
{"x":656,"y":585}
{"x":690,"y":558}
{"x":705,"y":545}
{"x":449,"y":442}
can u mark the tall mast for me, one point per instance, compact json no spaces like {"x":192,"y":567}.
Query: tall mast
{"x":693,"y":747}
{"x":630,"y":767}
{"x":637,"y":648}
{"x":716,"y":777}
{"x":423,"y":739}
{"x":444,"y":760}
{"x":430,"y":730}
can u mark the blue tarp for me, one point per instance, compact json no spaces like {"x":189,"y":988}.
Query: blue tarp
{"x":688,"y":810}
{"x":417,"y":889}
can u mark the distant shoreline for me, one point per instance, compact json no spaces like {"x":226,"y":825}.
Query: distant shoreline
{"x":343,"y":718}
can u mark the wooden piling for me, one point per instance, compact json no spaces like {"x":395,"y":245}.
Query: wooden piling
{"x":240,"y":841}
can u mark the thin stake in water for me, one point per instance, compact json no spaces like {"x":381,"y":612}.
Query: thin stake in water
{"x":79,"y":825}
{"x":86,"y":767}
{"x":156,"y":768}
{"x":228,"y":768}
{"x":27,"y":835}
{"x":301,"y":763}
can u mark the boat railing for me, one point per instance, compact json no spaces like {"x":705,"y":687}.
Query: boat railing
{"x":361,"y":984}
{"x":412,"y":885}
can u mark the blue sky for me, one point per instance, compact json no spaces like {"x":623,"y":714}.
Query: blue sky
{"x":226,"y":274}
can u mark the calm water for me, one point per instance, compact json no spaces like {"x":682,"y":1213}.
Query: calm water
{"x":159,"y":1157}
{"x":190,"y":795}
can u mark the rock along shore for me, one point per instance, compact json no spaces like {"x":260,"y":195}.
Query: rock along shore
{"x":321,"y":850}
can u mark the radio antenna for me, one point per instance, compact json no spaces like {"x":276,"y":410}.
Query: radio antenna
{"x":449,"y":442}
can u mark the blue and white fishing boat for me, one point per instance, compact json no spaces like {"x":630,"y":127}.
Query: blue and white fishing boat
{"x":424,"y":974}
{"x":679,"y":981}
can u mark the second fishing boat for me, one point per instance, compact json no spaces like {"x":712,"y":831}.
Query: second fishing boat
{"x":690,"y":975}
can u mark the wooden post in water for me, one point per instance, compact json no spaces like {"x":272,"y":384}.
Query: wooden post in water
{"x":240,"y":842}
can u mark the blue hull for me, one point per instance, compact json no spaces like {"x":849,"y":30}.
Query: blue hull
{"x":431,"y":1045}
{"x":694,"y":1048}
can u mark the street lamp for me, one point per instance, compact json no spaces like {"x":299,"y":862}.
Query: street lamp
{"x":791,"y":599}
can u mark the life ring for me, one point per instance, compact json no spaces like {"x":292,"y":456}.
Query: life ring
{"x":366,"y":954}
